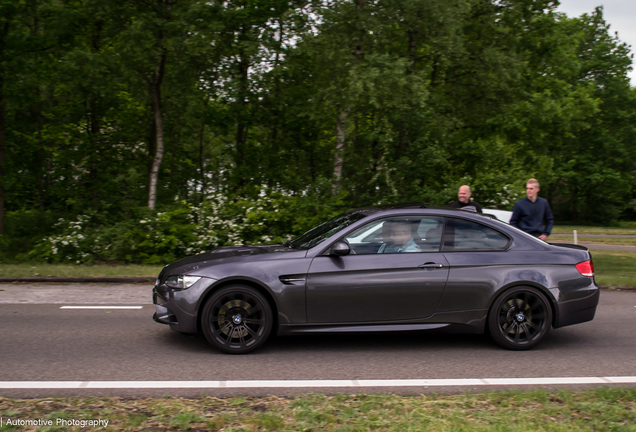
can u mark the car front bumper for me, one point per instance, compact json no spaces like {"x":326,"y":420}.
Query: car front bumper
{"x":179,"y":308}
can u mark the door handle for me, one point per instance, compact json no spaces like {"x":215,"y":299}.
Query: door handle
{"x":431,"y":265}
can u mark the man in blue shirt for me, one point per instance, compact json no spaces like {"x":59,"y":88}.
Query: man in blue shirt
{"x":402,"y":236}
{"x":387,"y":245}
{"x":532,"y":214}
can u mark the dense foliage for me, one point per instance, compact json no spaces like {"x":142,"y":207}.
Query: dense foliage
{"x":142,"y":131}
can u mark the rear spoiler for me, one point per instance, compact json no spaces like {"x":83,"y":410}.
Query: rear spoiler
{"x":570,"y":245}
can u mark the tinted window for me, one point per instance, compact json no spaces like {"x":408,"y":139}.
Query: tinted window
{"x":317,"y":234}
{"x":466,"y":235}
{"x":397,"y":235}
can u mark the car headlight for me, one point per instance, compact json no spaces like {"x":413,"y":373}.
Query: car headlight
{"x":181,"y":281}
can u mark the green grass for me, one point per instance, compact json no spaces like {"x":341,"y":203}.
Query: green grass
{"x":598,"y":240}
{"x":74,"y":270}
{"x":623,"y":228}
{"x":603,"y":409}
{"x":614,"y":268}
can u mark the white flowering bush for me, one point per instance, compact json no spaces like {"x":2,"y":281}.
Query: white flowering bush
{"x":71,"y":244}
{"x":187,"y":229}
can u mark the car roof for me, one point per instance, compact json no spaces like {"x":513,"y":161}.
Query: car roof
{"x":401,"y":205}
{"x":418,"y":205}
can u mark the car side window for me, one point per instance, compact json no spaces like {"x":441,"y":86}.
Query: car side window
{"x":463,"y":235}
{"x":430,"y":231}
{"x":398,"y":235}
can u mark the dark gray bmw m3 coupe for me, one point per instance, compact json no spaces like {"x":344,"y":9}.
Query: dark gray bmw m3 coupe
{"x":397,"y":268}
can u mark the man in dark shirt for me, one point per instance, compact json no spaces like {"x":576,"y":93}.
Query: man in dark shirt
{"x":464,"y":200}
{"x":532,"y":214}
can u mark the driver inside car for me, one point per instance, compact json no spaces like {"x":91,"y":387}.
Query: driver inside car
{"x":387,"y":246}
{"x":402,"y":236}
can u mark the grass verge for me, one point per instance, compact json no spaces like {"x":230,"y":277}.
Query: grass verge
{"x":630,"y":241}
{"x":603,"y":409}
{"x":614,"y":268}
{"x":623,"y":228}
{"x":75,"y":270}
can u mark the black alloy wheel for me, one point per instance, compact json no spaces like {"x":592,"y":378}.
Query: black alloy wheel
{"x":520,"y":318}
{"x":237,"y":319}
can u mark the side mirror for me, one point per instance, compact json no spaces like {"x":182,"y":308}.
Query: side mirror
{"x":340,"y":249}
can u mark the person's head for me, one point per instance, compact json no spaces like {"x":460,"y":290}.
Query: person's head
{"x":401,"y":233}
{"x":532,"y":189}
{"x":464,"y":194}
{"x":386,"y":232}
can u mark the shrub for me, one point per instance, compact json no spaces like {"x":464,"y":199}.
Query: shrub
{"x":152,"y":237}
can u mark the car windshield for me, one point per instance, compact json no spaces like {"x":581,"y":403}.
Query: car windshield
{"x":318,"y":233}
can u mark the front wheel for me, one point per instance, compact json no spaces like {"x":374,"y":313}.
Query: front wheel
{"x":237,"y":319}
{"x":520,"y":318}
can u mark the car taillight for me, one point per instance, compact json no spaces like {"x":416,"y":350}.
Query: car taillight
{"x":586,"y":268}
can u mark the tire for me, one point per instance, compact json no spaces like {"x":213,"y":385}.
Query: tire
{"x":520,"y":318}
{"x":237,"y":319}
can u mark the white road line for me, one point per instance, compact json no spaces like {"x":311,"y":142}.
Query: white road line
{"x":101,"y":307}
{"x":264,"y":384}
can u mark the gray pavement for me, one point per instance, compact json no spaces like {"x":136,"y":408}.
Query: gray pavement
{"x":75,"y":293}
{"x":41,"y":342}
{"x":85,"y":279}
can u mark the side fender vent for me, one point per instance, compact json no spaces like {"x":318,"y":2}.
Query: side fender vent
{"x":292,"y":279}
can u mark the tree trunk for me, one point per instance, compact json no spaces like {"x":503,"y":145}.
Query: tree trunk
{"x":155,"y":95}
{"x":2,"y":147}
{"x":412,"y":52}
{"x":3,"y":35}
{"x":201,"y":160}
{"x":242,"y":127}
{"x":94,"y":157}
{"x":338,"y":157}
{"x":42,"y":157}
{"x":574,"y":214}
{"x":95,"y":128}
{"x":202,"y":152}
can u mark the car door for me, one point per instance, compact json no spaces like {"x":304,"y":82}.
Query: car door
{"x":478,"y":258}
{"x":372,"y":287}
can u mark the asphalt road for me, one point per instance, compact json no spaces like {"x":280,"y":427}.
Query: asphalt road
{"x":40,"y":341}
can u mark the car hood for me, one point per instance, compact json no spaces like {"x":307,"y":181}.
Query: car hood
{"x":221,"y":255}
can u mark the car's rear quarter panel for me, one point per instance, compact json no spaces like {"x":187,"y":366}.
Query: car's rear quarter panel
{"x":477,"y":278}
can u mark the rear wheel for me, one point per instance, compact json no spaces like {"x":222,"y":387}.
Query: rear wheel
{"x":520,"y":318}
{"x":237,"y":319}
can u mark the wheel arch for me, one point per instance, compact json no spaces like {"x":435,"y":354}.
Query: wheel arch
{"x":238,"y":281}
{"x":549,"y":296}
